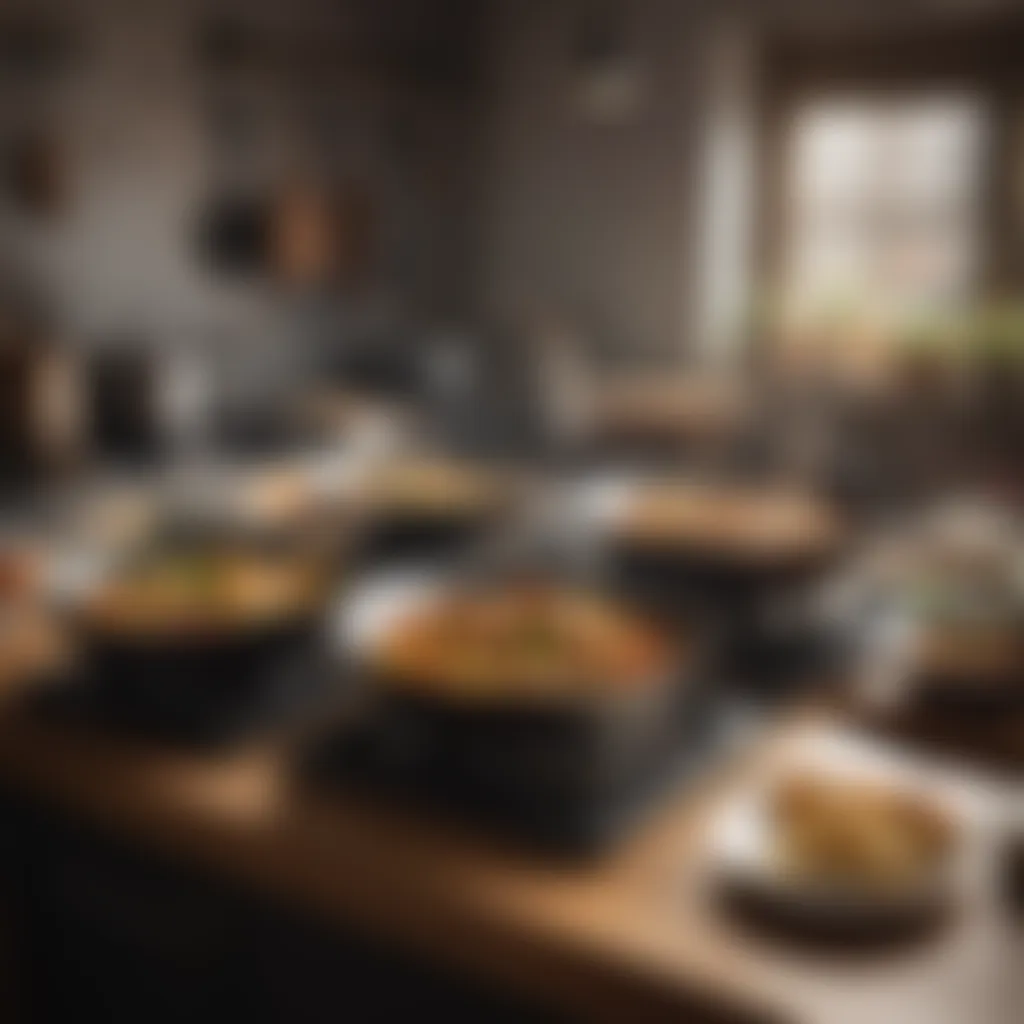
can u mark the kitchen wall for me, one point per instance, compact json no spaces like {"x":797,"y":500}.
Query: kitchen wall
{"x":627,"y":231}
{"x":499,"y":199}
{"x":132,"y":117}
{"x":582,"y":221}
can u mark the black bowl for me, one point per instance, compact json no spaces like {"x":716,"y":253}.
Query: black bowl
{"x":559,"y":750}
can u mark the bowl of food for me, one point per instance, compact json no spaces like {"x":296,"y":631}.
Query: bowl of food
{"x":977,"y":670}
{"x":964,"y":609}
{"x":419,"y":505}
{"x":717,"y":536}
{"x":527,"y":690}
{"x":194,"y":617}
{"x":844,"y":852}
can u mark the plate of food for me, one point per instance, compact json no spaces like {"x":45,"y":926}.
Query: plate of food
{"x":842,"y":848}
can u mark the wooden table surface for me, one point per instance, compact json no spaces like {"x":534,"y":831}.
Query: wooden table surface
{"x":633,"y":937}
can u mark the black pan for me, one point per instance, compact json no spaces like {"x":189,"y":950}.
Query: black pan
{"x":166,"y":669}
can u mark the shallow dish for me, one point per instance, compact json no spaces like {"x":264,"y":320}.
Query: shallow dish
{"x":885,"y":881}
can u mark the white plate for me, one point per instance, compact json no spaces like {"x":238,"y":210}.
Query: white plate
{"x":741,"y":846}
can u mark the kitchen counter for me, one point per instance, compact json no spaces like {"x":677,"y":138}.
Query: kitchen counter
{"x":634,"y":936}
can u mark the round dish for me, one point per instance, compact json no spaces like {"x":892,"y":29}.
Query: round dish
{"x":180,"y":628}
{"x":419,"y":507}
{"x":965,"y":607}
{"x":768,"y":528}
{"x":969,"y":668}
{"x":433,"y":489}
{"x":838,"y":853}
{"x":529,"y":695}
{"x":733,"y":547}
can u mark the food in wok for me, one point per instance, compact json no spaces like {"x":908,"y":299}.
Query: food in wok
{"x":521,"y":641}
{"x":201,"y":591}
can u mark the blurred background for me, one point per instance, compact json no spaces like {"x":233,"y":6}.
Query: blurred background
{"x":511,"y":508}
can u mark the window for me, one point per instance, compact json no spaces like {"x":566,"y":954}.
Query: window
{"x":884,"y":203}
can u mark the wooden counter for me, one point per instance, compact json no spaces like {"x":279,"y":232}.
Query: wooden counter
{"x":632,"y":938}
